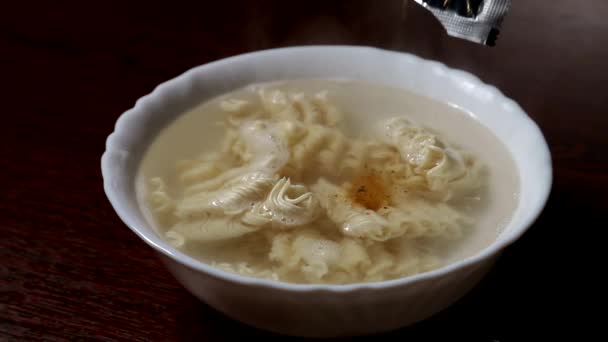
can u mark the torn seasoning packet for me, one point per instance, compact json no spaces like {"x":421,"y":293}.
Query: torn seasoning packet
{"x":478,"y":21}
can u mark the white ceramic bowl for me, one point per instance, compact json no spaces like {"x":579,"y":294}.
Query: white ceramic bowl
{"x":324,"y":310}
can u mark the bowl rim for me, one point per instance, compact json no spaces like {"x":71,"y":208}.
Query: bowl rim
{"x":176,"y":255}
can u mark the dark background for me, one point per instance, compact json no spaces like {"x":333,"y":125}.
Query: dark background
{"x":70,"y":270}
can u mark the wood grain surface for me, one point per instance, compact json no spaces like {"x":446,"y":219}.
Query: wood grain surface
{"x":70,"y":269}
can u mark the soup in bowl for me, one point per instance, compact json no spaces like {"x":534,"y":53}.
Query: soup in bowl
{"x":327,"y":191}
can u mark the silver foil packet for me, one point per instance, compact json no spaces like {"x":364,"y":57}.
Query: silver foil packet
{"x":475,"y":20}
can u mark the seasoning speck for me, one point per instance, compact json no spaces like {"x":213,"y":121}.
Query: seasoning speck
{"x":369,"y":191}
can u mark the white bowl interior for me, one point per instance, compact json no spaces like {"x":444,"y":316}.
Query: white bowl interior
{"x":138,"y":127}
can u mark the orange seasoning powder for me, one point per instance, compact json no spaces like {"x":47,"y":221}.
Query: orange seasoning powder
{"x":369,"y":191}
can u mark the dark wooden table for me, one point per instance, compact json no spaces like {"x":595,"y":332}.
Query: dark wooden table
{"x":70,"y":270}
